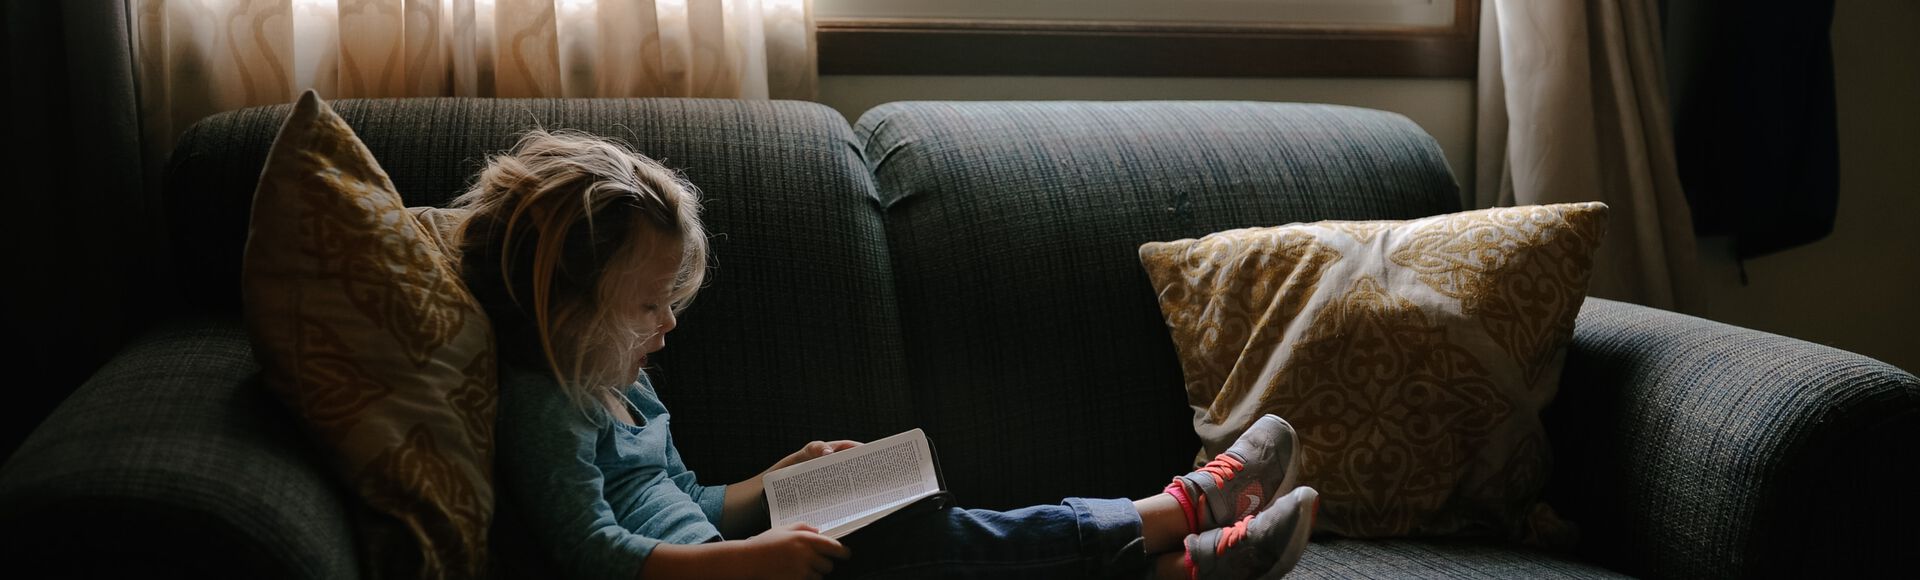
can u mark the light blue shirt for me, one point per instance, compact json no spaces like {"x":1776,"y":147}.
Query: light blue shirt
{"x":596,"y":493}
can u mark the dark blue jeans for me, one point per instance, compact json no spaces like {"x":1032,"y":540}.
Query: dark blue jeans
{"x":1080,"y":538}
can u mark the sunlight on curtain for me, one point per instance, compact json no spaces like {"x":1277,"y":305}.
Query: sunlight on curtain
{"x":194,"y":58}
{"x":1572,"y":107}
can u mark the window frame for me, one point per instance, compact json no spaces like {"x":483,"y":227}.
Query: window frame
{"x":883,"y":46}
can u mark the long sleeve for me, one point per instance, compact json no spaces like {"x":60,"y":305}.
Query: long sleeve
{"x":597,"y":495}
{"x":546,"y":461}
{"x":710,"y":497}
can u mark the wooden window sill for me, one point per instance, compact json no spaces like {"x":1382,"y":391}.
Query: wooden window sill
{"x":1052,"y":48}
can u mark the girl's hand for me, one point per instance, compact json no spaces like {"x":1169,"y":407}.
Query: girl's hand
{"x":814,"y":450}
{"x":791,"y":551}
{"x":744,"y":510}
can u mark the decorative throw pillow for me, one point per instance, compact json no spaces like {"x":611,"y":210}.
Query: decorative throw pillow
{"x":442,"y":226}
{"x":1412,"y":357}
{"x":364,"y":329}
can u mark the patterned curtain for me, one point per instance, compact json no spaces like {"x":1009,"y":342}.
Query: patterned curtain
{"x":194,"y":58}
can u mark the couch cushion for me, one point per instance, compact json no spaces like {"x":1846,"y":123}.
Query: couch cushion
{"x":1013,"y":228}
{"x":1343,"y":558}
{"x":795,"y":337}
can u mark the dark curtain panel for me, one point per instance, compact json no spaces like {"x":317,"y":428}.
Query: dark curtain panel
{"x":1753,"y":112}
{"x":81,"y":235}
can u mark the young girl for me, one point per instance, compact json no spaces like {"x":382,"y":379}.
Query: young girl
{"x":582,"y":252}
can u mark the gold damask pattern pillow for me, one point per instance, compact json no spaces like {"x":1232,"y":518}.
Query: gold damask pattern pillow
{"x":1413,"y":357}
{"x":364,"y":329}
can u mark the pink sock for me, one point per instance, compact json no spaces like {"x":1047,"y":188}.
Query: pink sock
{"x":1178,"y":490}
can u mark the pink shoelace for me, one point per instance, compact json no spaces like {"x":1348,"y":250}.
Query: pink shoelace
{"x":1222,"y":469}
{"x":1231,"y":535}
{"x":1228,"y":537}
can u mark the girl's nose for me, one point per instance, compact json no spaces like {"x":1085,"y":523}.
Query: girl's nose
{"x":668,"y":320}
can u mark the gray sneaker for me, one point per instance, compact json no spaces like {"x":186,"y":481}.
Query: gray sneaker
{"x":1244,"y":479}
{"x":1265,"y":546}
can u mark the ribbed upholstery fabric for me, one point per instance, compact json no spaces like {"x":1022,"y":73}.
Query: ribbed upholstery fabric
{"x":1688,"y":448}
{"x":1040,"y":362}
{"x":1380,"y":559}
{"x":173,"y":456}
{"x":795,"y":336}
{"x":986,"y":252}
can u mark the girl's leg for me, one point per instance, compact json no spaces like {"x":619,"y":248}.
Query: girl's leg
{"x":1171,"y":567}
{"x":1080,"y":538}
{"x":1265,"y":545}
{"x":1185,"y":524}
{"x":1091,"y":537}
{"x":1162,"y":524}
{"x":1255,"y":470}
{"x":1285,"y":529}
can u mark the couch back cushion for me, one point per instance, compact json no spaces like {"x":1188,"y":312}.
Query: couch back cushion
{"x":1014,"y":228}
{"x":796,"y":336}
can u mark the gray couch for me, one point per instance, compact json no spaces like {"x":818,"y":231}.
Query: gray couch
{"x":968,"y":268}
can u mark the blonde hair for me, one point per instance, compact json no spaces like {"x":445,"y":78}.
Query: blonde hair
{"x":549,"y":219}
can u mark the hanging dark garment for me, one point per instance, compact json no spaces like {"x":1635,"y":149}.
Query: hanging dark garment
{"x":1751,"y":83}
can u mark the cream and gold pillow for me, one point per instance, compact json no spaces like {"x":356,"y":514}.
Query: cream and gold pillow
{"x":364,"y":329}
{"x":1413,"y":357}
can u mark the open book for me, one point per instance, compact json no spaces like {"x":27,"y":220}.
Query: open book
{"x":846,"y":490}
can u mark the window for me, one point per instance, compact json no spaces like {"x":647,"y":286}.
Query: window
{"x":1197,"y":38}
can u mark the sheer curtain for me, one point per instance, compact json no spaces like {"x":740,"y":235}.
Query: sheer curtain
{"x":198,"y":57}
{"x":1573,"y":107}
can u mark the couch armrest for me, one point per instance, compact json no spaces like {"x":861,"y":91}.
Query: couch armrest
{"x":1690,"y":448}
{"x":174,"y":458}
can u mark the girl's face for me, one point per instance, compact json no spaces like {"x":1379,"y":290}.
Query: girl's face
{"x":641,"y":294}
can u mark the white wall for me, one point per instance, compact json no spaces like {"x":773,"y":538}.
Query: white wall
{"x":1857,"y":290}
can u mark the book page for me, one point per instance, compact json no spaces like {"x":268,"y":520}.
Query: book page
{"x":847,"y":489}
